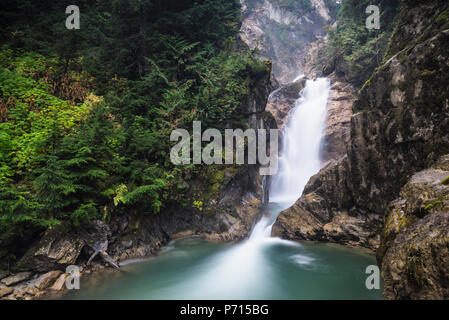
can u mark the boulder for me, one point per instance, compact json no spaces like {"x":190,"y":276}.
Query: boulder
{"x":17,"y":278}
{"x":414,"y":252}
{"x":45,"y":280}
{"x":26,"y":293}
{"x":6,"y":291}
{"x":59,"y":283}
{"x":59,"y":247}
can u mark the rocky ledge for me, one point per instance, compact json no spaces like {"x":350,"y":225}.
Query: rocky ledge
{"x":102,"y":245}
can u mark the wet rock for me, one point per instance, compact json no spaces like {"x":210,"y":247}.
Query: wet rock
{"x":58,"y":248}
{"x":5,"y":291}
{"x":17,"y":278}
{"x":59,"y":283}
{"x":416,"y":265}
{"x":415,"y":240}
{"x":183,"y":234}
{"x":26,"y":293}
{"x":282,"y":101}
{"x":312,"y":217}
{"x":338,"y":120}
{"x":45,"y":280}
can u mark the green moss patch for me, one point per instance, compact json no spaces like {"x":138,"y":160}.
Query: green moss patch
{"x":445,"y":181}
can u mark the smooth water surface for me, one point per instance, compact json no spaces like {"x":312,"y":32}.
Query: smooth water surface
{"x":196,"y":269}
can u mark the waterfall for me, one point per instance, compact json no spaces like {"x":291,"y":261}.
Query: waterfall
{"x":262,"y":267}
{"x":300,"y":153}
{"x":237,"y":272}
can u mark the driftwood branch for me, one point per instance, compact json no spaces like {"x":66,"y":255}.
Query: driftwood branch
{"x":106,"y":257}
{"x":99,"y":244}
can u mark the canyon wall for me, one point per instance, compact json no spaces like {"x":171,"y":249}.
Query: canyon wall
{"x":399,"y":129}
{"x":285,"y":34}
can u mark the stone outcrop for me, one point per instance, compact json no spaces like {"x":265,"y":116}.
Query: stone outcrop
{"x":16,"y":278}
{"x":414,"y":253}
{"x":58,"y":248}
{"x":5,"y":291}
{"x":400,"y":127}
{"x":325,"y":212}
{"x":44,"y":281}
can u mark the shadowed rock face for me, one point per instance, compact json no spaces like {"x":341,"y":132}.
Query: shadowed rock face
{"x":414,"y":252}
{"x":285,"y":35}
{"x":400,"y":127}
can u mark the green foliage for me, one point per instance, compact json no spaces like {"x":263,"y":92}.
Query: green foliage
{"x":445,"y":181}
{"x":86,"y":115}
{"x":34,"y":117}
{"x":443,"y":20}
{"x":356,"y":50}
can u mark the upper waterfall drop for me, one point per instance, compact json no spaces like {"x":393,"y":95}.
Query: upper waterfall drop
{"x":300,"y":153}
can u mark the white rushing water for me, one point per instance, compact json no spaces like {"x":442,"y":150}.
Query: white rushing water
{"x":300,"y":155}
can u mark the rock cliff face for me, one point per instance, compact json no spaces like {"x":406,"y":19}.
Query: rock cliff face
{"x":285,"y":34}
{"x":339,"y":112}
{"x":414,"y":252}
{"x":400,"y":127}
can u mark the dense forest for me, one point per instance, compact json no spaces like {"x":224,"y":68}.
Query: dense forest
{"x":353,"y":50}
{"x":86,"y":114}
